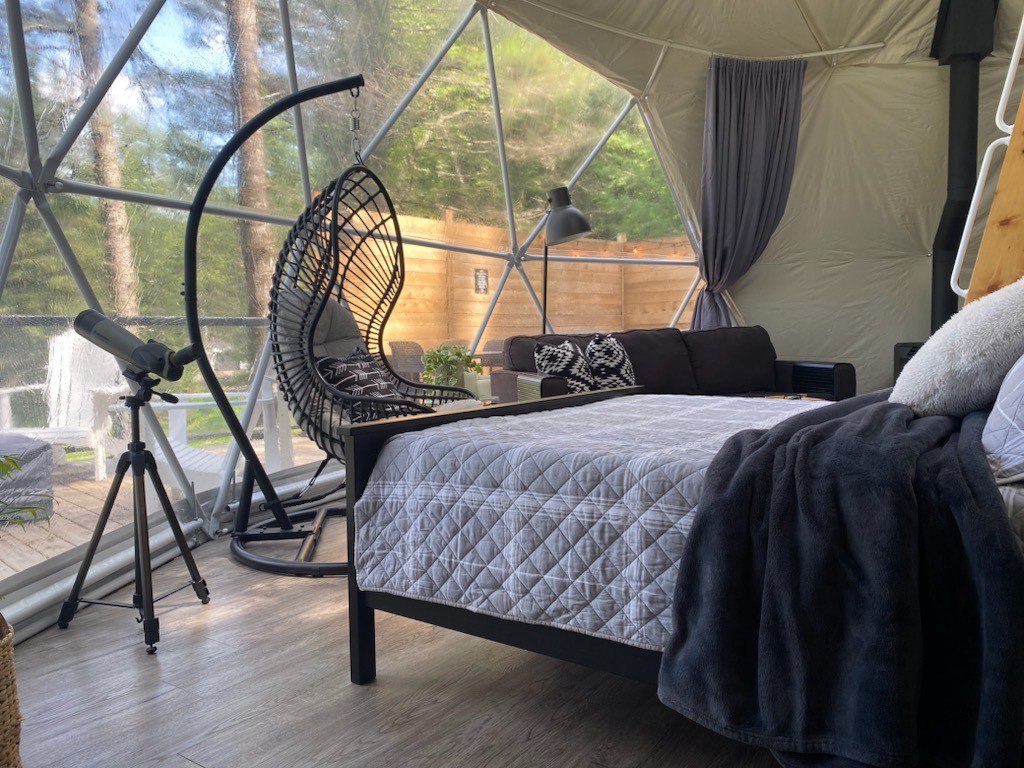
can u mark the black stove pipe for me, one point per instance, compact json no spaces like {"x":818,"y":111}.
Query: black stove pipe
{"x":964,"y":35}
{"x":961,"y":175}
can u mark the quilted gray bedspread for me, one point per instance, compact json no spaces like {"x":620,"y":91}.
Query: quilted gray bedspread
{"x":574,"y":517}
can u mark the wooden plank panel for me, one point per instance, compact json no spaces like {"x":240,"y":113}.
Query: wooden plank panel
{"x":1001,"y":255}
{"x":439,"y":301}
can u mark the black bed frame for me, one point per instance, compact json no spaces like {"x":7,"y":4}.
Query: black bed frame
{"x":363,"y":443}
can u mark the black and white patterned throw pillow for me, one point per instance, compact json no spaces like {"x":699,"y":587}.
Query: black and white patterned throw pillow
{"x":566,"y":360}
{"x":609,"y":363}
{"x":359,"y":374}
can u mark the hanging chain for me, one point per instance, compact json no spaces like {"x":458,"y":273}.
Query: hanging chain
{"x":353,"y":126}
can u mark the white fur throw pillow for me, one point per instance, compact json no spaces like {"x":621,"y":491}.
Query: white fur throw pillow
{"x":959,"y":369}
{"x":458,"y":405}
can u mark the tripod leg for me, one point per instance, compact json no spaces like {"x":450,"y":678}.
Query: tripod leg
{"x":143,"y":562}
{"x":67,"y":611}
{"x":198,"y":582}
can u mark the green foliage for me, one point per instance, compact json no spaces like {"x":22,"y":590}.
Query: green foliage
{"x":443,"y":364}
{"x":619,"y":194}
{"x":12,"y":513}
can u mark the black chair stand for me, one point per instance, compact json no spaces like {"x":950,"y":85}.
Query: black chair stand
{"x":307,"y":524}
{"x":343,"y":256}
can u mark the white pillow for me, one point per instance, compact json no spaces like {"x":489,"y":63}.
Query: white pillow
{"x":959,"y":369}
{"x":1003,"y":436}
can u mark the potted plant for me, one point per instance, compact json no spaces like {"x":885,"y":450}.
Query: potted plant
{"x":448,"y":364}
{"x":10,"y":712}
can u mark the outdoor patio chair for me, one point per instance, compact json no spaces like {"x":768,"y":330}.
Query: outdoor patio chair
{"x":82,"y":384}
{"x":490,"y":356}
{"x":407,"y":358}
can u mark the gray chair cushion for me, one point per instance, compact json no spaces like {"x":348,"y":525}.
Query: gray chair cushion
{"x":336,"y":334}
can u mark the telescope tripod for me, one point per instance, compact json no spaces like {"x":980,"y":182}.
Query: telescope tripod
{"x":141,"y":461}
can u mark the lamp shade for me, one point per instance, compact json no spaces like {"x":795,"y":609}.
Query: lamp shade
{"x":565,"y":222}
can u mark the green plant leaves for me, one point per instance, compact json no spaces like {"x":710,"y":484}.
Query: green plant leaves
{"x":443,"y":364}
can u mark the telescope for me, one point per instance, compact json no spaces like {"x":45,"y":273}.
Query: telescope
{"x":141,"y":356}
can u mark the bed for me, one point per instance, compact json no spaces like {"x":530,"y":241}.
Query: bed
{"x":559,"y":526}
{"x":585,"y":573}
{"x":572,"y":519}
{"x":555,"y":525}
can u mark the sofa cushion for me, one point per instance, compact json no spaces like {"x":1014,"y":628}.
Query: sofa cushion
{"x":660,"y":360}
{"x":732,"y":361}
{"x":519,"y":350}
{"x":658,"y":355}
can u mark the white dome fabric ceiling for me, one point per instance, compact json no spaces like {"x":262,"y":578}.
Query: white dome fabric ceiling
{"x":847,"y":273}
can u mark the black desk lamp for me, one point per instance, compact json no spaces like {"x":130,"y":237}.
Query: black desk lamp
{"x":565,"y":223}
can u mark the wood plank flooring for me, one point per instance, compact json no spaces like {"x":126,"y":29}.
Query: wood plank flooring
{"x":77,"y":501}
{"x":258,"y":678}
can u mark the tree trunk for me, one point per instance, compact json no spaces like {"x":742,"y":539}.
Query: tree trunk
{"x":117,"y":244}
{"x":258,"y":250}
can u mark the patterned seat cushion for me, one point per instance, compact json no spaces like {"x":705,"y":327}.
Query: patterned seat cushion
{"x":360,"y":375}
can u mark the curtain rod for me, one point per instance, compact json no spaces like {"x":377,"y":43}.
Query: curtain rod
{"x":681,"y":46}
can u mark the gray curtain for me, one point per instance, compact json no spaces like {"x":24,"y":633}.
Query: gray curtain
{"x":750,"y":128}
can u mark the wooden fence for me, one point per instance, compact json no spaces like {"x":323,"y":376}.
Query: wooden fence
{"x":439,"y":302}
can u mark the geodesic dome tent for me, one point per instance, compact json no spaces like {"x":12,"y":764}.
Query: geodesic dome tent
{"x":113,"y":110}
{"x":846,"y":274}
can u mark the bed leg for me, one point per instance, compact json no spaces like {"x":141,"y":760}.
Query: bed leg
{"x":360,"y":457}
{"x":362,"y":643}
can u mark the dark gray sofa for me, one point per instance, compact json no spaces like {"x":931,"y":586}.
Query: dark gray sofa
{"x":722,"y":361}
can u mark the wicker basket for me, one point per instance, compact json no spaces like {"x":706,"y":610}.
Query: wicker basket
{"x":10,"y":713}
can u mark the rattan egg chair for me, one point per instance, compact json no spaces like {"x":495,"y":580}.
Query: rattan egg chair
{"x":341,"y":263}
{"x":336,"y":282}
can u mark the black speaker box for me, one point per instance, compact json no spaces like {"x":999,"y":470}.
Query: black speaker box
{"x":902,"y":353}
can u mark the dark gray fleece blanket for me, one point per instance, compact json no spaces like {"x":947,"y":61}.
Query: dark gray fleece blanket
{"x":852,"y":594}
